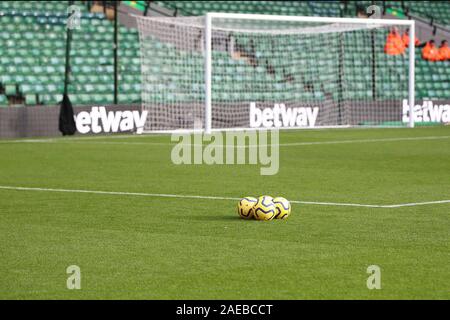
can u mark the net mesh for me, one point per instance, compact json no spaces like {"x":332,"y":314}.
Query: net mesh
{"x":270,"y":74}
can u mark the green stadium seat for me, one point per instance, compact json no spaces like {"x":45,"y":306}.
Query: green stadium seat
{"x":129,"y":98}
{"x":50,"y":99}
{"x":3,"y":100}
{"x":31,"y":99}
{"x":10,"y":89}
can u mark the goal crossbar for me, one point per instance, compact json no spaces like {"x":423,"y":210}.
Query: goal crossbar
{"x":211,"y":15}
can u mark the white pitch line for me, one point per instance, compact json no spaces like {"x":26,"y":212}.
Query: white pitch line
{"x":364,"y":140}
{"x":293,"y":144}
{"x":417,"y":204}
{"x":162,"y":195}
{"x":159,"y":195}
{"x":339,"y":204}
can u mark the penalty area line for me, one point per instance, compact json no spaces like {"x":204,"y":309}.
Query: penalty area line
{"x":180,"y":196}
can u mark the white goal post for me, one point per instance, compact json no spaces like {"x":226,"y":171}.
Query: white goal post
{"x":226,"y":71}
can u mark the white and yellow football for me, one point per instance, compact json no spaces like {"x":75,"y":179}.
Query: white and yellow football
{"x":264,"y":209}
{"x":245,"y":207}
{"x":283,"y":208}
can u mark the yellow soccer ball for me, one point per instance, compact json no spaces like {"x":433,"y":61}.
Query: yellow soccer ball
{"x":283,"y":208}
{"x":264,"y":209}
{"x":245,"y":207}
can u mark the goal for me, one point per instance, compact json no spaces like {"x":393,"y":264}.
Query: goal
{"x":241,"y":71}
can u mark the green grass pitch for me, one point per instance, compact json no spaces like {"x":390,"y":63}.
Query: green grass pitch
{"x":143,"y":247}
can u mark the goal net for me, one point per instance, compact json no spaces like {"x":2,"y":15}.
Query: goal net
{"x":236,"y":71}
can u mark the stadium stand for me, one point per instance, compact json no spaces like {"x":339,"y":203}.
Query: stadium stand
{"x":32,"y":53}
{"x":32,"y":56}
{"x":439,"y":11}
{"x":196,"y":8}
{"x":432,"y":78}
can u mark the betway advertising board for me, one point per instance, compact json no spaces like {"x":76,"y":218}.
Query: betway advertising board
{"x":100,"y":120}
{"x":427,"y":111}
{"x":42,"y":121}
{"x":280,"y":116}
